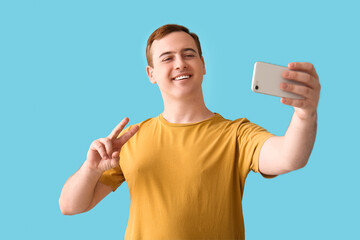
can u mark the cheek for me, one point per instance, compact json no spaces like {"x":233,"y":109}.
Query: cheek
{"x":163,"y":72}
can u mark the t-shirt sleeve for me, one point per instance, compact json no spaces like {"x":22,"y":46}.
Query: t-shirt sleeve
{"x":114,"y":177}
{"x":250,"y":139}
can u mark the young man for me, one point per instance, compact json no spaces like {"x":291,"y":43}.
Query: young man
{"x":186,"y":168}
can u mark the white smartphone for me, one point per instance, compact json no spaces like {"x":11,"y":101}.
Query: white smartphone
{"x":267,"y":78}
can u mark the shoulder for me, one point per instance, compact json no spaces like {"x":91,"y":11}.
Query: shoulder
{"x":147,"y":122}
{"x":144,"y":125}
{"x":241,"y":126}
{"x":227,"y":123}
{"x":227,"y":126}
{"x":140,"y":124}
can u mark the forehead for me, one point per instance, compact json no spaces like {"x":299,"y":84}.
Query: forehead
{"x":175,"y":41}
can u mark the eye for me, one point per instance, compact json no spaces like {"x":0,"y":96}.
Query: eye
{"x":189,"y":55}
{"x":166,"y":59}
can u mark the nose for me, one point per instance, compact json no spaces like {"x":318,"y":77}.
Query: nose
{"x":180,"y":63}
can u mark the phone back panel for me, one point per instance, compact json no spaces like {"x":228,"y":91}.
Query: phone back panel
{"x":267,"y":78}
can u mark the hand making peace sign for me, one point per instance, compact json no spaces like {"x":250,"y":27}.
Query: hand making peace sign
{"x":104,"y":153}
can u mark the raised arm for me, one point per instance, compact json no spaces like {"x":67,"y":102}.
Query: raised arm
{"x":282,"y":154}
{"x":82,"y":191}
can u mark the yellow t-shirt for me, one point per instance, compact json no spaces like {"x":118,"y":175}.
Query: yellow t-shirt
{"x":186,"y":180}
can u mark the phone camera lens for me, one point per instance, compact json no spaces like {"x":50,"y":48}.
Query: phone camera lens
{"x":256,"y":87}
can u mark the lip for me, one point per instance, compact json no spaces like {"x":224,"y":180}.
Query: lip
{"x":182,"y":74}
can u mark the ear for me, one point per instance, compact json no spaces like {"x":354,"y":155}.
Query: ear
{"x":204,"y":70}
{"x":150,"y":73}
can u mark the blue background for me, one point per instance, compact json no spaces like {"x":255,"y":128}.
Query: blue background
{"x":71,"y":70}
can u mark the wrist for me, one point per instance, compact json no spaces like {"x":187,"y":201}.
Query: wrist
{"x":304,"y":116}
{"x":91,"y":171}
{"x":304,"y":121}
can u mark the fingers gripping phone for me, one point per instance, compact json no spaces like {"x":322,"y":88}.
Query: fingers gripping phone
{"x":267,"y":79}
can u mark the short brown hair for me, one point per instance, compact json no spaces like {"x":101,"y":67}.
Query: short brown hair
{"x":162,"y":32}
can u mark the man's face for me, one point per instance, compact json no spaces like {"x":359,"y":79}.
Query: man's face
{"x":177,"y":67}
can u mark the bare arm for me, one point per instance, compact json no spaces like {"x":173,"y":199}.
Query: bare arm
{"x":82,"y":191}
{"x":290,"y":152}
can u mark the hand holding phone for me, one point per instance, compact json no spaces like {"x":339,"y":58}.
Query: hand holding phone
{"x":298,"y":85}
{"x":267,"y":78}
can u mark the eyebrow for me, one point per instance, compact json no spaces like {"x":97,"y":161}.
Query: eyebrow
{"x":183,"y":50}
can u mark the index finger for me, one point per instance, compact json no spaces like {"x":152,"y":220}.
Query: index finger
{"x":304,"y":66}
{"x":117,"y":130}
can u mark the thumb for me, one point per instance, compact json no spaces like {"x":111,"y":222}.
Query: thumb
{"x":115,"y":155}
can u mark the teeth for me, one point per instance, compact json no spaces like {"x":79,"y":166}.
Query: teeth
{"x":182,"y":77}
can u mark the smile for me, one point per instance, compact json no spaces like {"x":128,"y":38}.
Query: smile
{"x":181,"y":77}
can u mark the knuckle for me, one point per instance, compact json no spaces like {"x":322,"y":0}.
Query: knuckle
{"x":99,"y":146}
{"x":288,"y":101}
{"x":100,"y":150}
{"x":318,"y":85}
{"x":96,"y":143}
{"x":306,"y":91}
{"x":308,"y":65}
{"x":300,"y":104}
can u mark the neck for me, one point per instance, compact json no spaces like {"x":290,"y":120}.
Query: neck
{"x":189,"y":110}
